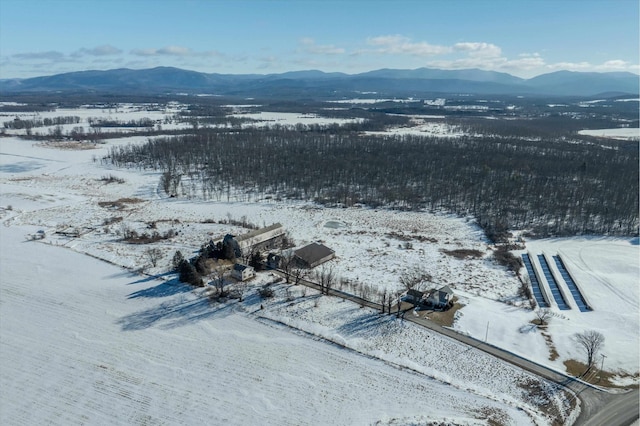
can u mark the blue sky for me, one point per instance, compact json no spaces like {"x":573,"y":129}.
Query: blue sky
{"x":521,"y":37}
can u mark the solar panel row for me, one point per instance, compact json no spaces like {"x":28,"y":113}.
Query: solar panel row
{"x":573,"y":288}
{"x":553,"y":285}
{"x":535,"y":285}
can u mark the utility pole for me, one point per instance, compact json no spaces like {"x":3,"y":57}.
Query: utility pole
{"x":487,"y":333}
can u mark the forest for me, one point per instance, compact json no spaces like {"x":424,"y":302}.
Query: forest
{"x":548,"y":186}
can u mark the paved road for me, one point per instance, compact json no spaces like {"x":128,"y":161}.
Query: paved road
{"x":598,"y":408}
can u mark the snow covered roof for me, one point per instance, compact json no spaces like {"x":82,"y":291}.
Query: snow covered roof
{"x":259,"y":235}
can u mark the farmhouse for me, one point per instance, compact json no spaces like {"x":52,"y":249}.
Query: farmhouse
{"x":313,"y":254}
{"x":242,"y":272}
{"x":440,"y":298}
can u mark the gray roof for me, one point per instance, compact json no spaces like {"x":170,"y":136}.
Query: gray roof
{"x":416,"y":294}
{"x":240,"y":267}
{"x":259,"y":236}
{"x":259,"y":232}
{"x":313,"y":252}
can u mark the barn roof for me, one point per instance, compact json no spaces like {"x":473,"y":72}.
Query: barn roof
{"x":314,"y":252}
{"x":260,"y":235}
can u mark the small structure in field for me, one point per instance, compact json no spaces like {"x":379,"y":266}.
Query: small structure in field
{"x":242,"y":272}
{"x":440,"y":298}
{"x":313,"y":254}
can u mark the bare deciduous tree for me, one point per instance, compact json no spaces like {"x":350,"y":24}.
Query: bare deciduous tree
{"x":412,"y":279}
{"x":241,"y":288}
{"x":287,"y":264}
{"x":543,"y":315}
{"x":153,"y":254}
{"x":383,"y":301}
{"x":591,"y":342}
{"x":326,"y":277}
{"x":219,"y":280}
{"x":299,"y":274}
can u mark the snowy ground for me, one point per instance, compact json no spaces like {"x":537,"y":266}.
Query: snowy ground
{"x":48,"y":189}
{"x":121,"y":112}
{"x":266,"y":118}
{"x":84,"y":342}
{"x":619,"y":133}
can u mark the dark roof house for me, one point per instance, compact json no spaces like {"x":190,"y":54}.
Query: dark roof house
{"x":313,"y":254}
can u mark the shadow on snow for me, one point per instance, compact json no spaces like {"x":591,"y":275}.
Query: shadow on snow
{"x":175,"y":313}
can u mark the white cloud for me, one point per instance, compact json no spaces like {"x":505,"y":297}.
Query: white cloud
{"x":615,"y":64}
{"x":144,"y":52}
{"x":104,"y":50}
{"x":310,"y":46}
{"x":175,"y":51}
{"x":570,"y":66}
{"x":526,"y":62}
{"x":163,"y":51}
{"x":397,"y":44}
{"x":52,"y":55}
{"x":478,"y":49}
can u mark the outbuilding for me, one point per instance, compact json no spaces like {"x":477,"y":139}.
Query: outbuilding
{"x":313,"y":254}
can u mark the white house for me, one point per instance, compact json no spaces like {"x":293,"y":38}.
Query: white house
{"x":439,"y":299}
{"x":242,"y":272}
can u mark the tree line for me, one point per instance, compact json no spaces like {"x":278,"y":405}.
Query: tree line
{"x":45,"y":122}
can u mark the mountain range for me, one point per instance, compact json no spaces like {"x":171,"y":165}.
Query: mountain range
{"x":386,"y":82}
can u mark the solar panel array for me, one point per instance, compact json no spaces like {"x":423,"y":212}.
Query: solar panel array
{"x":573,"y":288}
{"x":553,"y":285}
{"x":535,"y":285}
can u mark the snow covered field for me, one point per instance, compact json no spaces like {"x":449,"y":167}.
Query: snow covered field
{"x":266,"y":118}
{"x":619,"y":133}
{"x":120,"y":348}
{"x":84,"y":342}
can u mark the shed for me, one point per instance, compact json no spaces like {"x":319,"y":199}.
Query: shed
{"x":242,"y":272}
{"x":313,"y":254}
